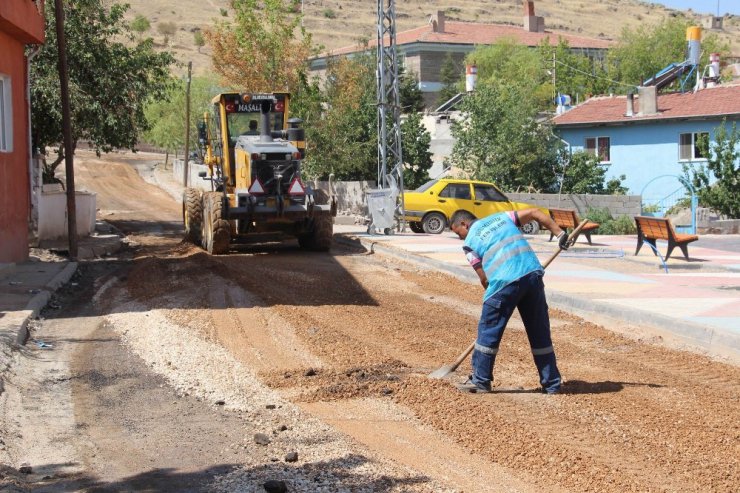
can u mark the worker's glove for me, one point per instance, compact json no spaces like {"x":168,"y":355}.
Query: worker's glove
{"x":563,"y":241}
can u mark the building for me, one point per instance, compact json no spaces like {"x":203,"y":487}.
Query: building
{"x":21,"y":24}
{"x":649,"y":137}
{"x":423,"y":50}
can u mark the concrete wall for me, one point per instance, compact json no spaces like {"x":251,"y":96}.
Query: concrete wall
{"x":618,"y":205}
{"x":53,"y":213}
{"x":194,"y":180}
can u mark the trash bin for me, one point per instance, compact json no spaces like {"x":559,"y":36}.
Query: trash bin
{"x":382,"y":206}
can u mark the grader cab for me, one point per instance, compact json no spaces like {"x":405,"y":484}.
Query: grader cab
{"x":254,"y":151}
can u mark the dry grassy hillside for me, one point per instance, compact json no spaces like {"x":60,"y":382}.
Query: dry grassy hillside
{"x":336,"y":23}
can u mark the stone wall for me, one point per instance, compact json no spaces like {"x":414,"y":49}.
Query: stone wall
{"x":618,"y":205}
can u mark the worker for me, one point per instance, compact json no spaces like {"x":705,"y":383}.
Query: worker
{"x":252,"y":128}
{"x":511,"y":274}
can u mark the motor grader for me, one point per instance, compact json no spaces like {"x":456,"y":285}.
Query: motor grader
{"x":254,"y":151}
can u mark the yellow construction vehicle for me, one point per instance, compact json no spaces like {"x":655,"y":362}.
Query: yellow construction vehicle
{"x":254,"y":151}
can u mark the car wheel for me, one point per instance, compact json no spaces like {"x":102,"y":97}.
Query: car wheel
{"x":531,"y":228}
{"x":416,"y":227}
{"x":434,"y":223}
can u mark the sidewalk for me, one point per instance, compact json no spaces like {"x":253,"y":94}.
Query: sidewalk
{"x":696,"y":301}
{"x":26,"y":288}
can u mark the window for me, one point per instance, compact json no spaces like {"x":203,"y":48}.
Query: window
{"x":456,"y":191}
{"x":6,"y":116}
{"x":487,"y":192}
{"x":693,"y":146}
{"x":599,"y":146}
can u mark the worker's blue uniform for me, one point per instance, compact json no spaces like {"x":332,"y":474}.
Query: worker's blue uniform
{"x":514,"y":281}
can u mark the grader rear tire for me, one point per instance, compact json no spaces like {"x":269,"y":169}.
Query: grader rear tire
{"x":216,"y":230}
{"x":320,"y":238}
{"x":192,"y":215}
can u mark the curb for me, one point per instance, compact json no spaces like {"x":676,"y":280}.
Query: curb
{"x":716,"y":342}
{"x":39,"y":301}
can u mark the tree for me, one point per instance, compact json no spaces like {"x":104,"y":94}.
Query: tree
{"x":582,"y":173}
{"x":506,"y":61}
{"x":718,"y":182}
{"x":412,"y":99}
{"x":265,"y":49}
{"x":499,"y":139}
{"x":450,"y":77}
{"x":110,"y":79}
{"x":140,"y":25}
{"x":417,"y":159}
{"x":572,"y":73}
{"x":167,"y":115}
{"x":643,"y":52}
{"x":198,"y":39}
{"x":341,"y":122}
{"x":167,"y":29}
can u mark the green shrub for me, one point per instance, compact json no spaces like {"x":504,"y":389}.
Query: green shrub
{"x":224,"y":12}
{"x":330,"y":14}
{"x":623,"y":225}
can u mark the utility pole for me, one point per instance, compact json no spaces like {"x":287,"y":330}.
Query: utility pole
{"x":66,"y":130}
{"x":389,"y":101}
{"x":187,"y":128}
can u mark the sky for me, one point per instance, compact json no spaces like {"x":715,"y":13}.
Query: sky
{"x":704,"y":6}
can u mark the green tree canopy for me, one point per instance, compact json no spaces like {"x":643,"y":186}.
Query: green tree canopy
{"x":450,"y":75}
{"x":415,"y":149}
{"x":499,"y":139}
{"x":412,"y":99}
{"x":718,"y":182}
{"x":111,"y":77}
{"x":582,"y":173}
{"x":166,"y":116}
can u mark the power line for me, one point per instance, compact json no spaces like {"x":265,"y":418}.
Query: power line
{"x":594,"y":75}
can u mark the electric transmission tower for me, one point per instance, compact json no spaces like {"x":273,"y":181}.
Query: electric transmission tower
{"x":389,"y":101}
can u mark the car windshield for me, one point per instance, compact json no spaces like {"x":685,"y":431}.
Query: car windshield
{"x":426,"y":186}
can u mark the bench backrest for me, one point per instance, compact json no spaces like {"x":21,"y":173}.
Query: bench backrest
{"x":565,"y":218}
{"x":659,"y":228}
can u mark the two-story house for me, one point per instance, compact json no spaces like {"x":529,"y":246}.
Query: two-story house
{"x":424,"y":49}
{"x":649,"y":141}
{"x":21,"y":24}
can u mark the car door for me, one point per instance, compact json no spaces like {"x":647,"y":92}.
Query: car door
{"x":489,"y":200}
{"x":455,"y":196}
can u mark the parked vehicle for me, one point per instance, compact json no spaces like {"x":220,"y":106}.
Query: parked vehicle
{"x":428,"y":209}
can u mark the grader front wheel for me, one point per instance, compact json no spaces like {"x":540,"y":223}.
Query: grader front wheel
{"x":192,"y":215}
{"x":216,"y":230}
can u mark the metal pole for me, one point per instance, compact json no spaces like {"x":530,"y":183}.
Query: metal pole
{"x":66,"y":130}
{"x":187,"y":128}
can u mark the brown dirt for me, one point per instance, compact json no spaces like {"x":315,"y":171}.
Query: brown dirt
{"x":632,"y":417}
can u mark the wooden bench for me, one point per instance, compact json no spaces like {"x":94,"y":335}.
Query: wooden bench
{"x":567,"y":219}
{"x":650,"y":229}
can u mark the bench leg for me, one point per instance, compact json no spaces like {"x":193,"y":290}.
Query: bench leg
{"x":671,"y":246}
{"x":640,"y":241}
{"x":551,"y":236}
{"x":588,"y":237}
{"x":685,"y":249}
{"x":655,"y":247}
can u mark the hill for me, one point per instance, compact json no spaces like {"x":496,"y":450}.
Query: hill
{"x":337,"y":23}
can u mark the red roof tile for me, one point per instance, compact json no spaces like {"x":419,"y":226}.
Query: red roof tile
{"x":721,"y":100}
{"x":484,"y":34}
